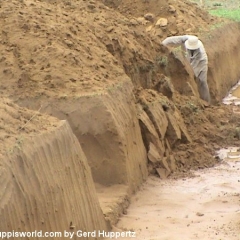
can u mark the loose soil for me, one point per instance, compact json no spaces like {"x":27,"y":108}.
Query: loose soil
{"x":95,"y":64}
{"x":83,"y":49}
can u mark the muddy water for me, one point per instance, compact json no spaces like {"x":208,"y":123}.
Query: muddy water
{"x":206,"y":206}
{"x":234,"y":95}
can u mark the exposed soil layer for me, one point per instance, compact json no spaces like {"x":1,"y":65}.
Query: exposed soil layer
{"x":18,"y":123}
{"x":131,"y":102}
{"x":87,"y":63}
{"x":46,"y":180}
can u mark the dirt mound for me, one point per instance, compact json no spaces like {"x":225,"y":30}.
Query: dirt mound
{"x":45,"y":178}
{"x":57,"y":46}
{"x":177,"y":18}
{"x":55,"y":51}
{"x":17,"y":123}
{"x":210,"y":129}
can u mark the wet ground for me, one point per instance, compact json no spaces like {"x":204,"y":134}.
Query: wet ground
{"x":234,"y":96}
{"x":206,"y":206}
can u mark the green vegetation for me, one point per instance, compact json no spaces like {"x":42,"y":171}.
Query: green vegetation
{"x":229,"y":9}
{"x":233,"y":14}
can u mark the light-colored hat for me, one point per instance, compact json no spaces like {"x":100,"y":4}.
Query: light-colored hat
{"x":192,"y":43}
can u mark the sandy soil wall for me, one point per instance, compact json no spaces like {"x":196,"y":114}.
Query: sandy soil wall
{"x":47,"y":184}
{"x":108,"y":130}
{"x":222,"y":46}
{"x":180,"y":72}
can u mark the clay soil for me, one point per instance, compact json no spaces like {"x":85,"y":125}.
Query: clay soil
{"x":63,"y":50}
{"x":57,"y":50}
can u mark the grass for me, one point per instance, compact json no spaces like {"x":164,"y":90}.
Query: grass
{"x":229,"y":9}
{"x":233,"y":14}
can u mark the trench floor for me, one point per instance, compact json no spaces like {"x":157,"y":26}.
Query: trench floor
{"x":206,"y":206}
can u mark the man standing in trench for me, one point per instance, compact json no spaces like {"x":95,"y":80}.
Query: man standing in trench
{"x":197,"y":58}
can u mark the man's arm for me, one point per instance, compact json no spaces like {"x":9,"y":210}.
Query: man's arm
{"x":175,"y":40}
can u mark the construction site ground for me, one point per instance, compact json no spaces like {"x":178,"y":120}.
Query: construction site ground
{"x":100,"y":120}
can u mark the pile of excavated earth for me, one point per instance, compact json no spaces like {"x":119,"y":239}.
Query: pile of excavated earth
{"x":92,"y":103}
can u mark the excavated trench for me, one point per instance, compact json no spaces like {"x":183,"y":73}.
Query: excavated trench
{"x":207,"y":211}
{"x":204,"y":206}
{"x":119,"y":137}
{"x":83,"y":173}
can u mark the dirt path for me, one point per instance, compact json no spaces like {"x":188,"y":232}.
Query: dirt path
{"x":202,"y":207}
